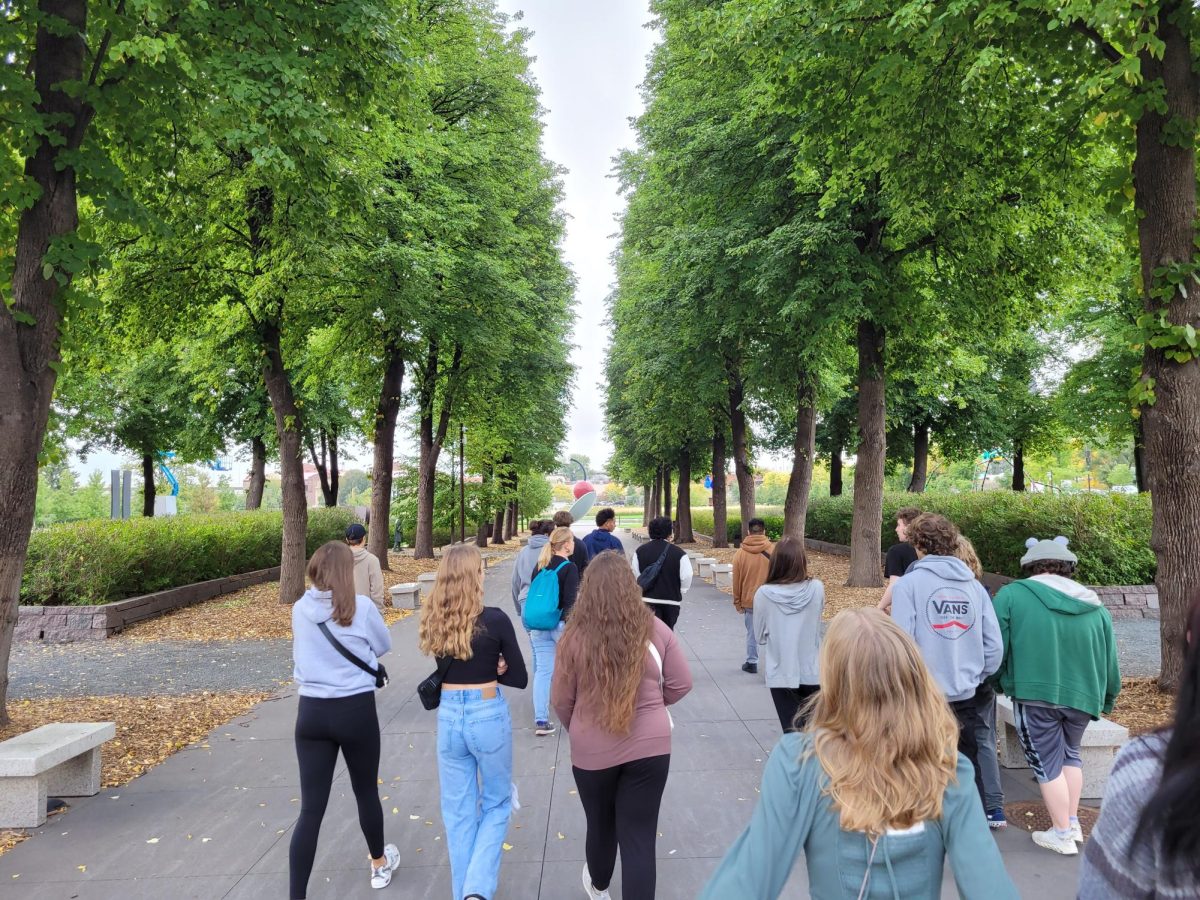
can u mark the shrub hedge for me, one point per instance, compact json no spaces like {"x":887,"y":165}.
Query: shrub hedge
{"x":1110,"y":533}
{"x":101,"y":560}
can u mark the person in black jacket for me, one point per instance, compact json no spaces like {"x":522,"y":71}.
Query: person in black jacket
{"x":580,"y":555}
{"x":665,"y":593}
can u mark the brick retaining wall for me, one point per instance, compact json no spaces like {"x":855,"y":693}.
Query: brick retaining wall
{"x":66,"y":624}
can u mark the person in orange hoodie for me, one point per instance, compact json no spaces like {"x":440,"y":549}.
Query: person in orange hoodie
{"x":750,"y":565}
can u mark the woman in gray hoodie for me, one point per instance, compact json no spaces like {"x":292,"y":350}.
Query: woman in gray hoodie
{"x":787,"y":624}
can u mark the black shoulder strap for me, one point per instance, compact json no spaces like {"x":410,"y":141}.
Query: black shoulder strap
{"x":346,"y":654}
{"x":444,"y":666}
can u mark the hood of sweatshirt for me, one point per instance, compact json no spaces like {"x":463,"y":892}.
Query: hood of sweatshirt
{"x":948,"y":568}
{"x":359,"y":553}
{"x":538,"y":541}
{"x":1065,"y":595}
{"x":316,"y":606}
{"x":790,"y":598}
{"x":756,"y":543}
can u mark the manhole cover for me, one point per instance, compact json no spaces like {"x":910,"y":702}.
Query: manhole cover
{"x":1033,"y":817}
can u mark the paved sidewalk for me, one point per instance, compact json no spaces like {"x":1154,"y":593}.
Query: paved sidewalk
{"x":214,"y":820}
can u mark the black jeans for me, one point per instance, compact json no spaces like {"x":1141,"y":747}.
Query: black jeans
{"x":621,"y":806}
{"x":667,"y":612}
{"x":788,"y":702}
{"x":323,"y":727}
{"x":969,"y":713}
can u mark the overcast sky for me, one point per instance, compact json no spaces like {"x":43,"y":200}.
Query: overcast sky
{"x":590,"y":60}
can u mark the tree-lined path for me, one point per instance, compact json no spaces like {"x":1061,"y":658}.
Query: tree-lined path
{"x":214,"y":821}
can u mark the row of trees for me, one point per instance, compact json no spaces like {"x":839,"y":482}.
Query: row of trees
{"x":276,"y":226}
{"x":870,"y":226}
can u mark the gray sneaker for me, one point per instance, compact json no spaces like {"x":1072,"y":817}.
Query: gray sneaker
{"x":381,"y":876}
{"x":1052,"y":841}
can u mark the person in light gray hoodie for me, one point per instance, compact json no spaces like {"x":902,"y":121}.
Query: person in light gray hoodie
{"x":526,"y":562}
{"x":787,"y":624}
{"x":950,"y":616}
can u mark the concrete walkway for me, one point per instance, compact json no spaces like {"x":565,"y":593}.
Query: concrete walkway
{"x":214,"y":820}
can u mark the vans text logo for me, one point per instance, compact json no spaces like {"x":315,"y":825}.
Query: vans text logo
{"x":950,"y":612}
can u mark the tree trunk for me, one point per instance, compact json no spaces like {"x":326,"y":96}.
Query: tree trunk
{"x":741,"y":449}
{"x":29,"y":349}
{"x":326,"y":465}
{"x":666,"y":491}
{"x":795,"y":507}
{"x":386,"y":411}
{"x":720,"y":533}
{"x":647,"y":504}
{"x":148,"y":485}
{"x":683,"y":505}
{"x":1164,"y":178}
{"x":331,"y":496}
{"x":867,"y":529}
{"x":920,"y":469}
{"x":656,"y":496}
{"x":431,"y":442}
{"x":258,"y":473}
{"x":1139,"y":456}
{"x":288,"y":425}
{"x":513,"y":528}
{"x":498,"y":526}
{"x":835,"y":472}
{"x":1018,"y":476}
{"x":481,"y":537}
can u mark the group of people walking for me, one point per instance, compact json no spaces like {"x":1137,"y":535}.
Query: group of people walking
{"x":887,"y":762}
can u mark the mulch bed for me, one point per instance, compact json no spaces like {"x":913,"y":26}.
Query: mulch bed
{"x":1141,"y":706}
{"x":149,"y":729}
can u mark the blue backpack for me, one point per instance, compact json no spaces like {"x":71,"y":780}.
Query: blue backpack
{"x":541,"y":611}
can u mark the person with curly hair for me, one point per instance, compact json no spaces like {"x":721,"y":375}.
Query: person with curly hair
{"x":873,"y":792}
{"x":477,"y":652}
{"x":619,"y":668}
{"x":950,"y":616}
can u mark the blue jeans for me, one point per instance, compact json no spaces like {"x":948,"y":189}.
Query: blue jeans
{"x":751,"y":643}
{"x":475,"y":773}
{"x":545,"y":646}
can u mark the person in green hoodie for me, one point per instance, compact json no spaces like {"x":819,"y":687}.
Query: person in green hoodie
{"x":874,"y":792}
{"x":1060,"y":668}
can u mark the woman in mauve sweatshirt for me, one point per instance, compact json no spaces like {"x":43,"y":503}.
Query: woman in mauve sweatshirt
{"x":619,"y":668}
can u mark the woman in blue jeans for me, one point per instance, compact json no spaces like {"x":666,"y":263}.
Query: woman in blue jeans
{"x":478,"y":648}
{"x":556,"y":556}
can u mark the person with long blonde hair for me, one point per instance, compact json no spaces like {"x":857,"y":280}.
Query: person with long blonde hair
{"x":477,"y":652}
{"x":874,"y":791}
{"x":337,"y":709}
{"x":619,"y":669}
{"x":554,"y":565}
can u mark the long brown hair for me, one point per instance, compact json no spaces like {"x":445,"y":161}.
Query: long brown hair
{"x":450,"y":616}
{"x":881,"y":728}
{"x":332,"y":569}
{"x":604,"y":643}
{"x":789,"y":563}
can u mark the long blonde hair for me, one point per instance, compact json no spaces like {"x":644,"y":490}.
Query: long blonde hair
{"x":332,"y":569}
{"x":558,"y":539}
{"x":965,"y":551}
{"x":451,"y":615}
{"x":605,"y":640}
{"x":881,"y":728}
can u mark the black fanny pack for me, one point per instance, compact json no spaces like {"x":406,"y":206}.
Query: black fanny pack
{"x":430,"y":690}
{"x":380,"y":675}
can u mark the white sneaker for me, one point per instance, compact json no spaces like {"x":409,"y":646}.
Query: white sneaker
{"x":1051,"y":841}
{"x":381,"y":876}
{"x":592,"y":893}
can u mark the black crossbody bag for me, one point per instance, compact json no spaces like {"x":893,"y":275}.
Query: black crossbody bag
{"x":380,"y":675}
{"x":647,"y":578}
{"x":430,"y":690}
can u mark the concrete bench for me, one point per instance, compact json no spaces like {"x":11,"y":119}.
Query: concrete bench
{"x":58,"y":760}
{"x":1100,"y":744}
{"x":722,"y":575}
{"x":694,"y":555}
{"x":704,"y":566}
{"x":406,"y":596}
{"x":425,"y":583}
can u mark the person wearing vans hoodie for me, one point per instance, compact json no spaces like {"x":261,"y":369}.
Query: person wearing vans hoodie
{"x":787,"y":623}
{"x":950,"y":616}
{"x":750,"y":565}
{"x":1061,"y":670}
{"x":527,"y":560}
{"x":336,"y":710}
{"x":368,"y":576}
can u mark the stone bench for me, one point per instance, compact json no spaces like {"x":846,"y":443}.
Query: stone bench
{"x":1101,"y":741}
{"x":406,"y":596}
{"x":58,"y":760}
{"x":722,"y":575}
{"x":704,"y":566}
{"x":425,"y":583}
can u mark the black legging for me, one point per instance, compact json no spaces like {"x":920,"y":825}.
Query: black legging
{"x":621,"y":806}
{"x":322,"y":728}
{"x":788,"y":702}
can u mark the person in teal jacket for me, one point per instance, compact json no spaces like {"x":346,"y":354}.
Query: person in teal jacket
{"x":1060,"y":668}
{"x":875,"y":792}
